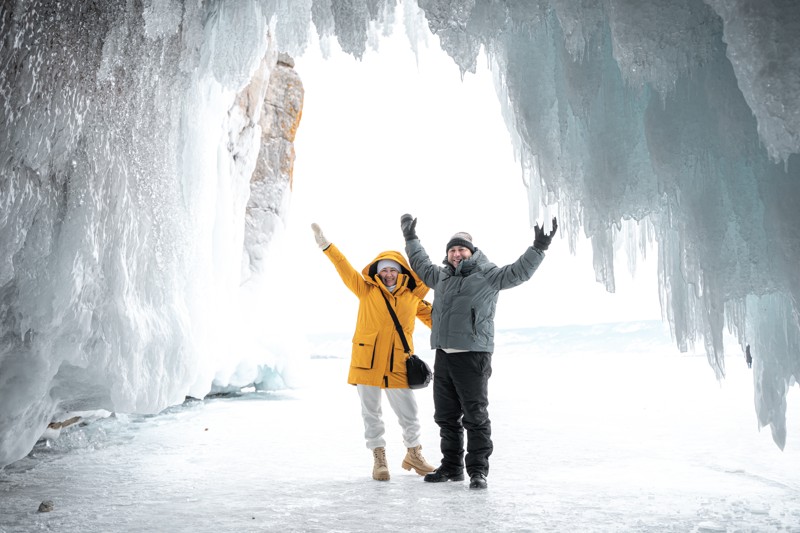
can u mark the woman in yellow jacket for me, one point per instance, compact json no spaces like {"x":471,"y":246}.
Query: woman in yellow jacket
{"x":378,"y":360}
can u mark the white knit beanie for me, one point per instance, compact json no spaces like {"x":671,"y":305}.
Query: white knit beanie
{"x":383,"y":263}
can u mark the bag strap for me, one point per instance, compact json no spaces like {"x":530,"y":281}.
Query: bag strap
{"x":397,"y":325}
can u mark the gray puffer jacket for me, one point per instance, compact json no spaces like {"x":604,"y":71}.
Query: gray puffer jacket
{"x":466,"y":297}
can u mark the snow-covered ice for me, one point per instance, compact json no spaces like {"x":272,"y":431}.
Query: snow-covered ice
{"x":582,"y":443}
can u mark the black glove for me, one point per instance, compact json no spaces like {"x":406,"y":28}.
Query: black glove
{"x":542,"y":240}
{"x":409,"y":226}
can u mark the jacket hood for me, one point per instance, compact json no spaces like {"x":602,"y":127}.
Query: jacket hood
{"x":414,"y":281}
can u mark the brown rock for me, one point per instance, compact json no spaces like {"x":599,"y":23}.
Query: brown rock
{"x":65,"y":423}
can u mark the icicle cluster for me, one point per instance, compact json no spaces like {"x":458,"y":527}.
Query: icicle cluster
{"x":682,"y":117}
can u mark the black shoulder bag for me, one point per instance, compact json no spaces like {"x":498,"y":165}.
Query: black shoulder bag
{"x":418,"y":372}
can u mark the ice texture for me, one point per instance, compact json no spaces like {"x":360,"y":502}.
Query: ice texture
{"x":761,"y":38}
{"x":126,"y":278}
{"x":122,"y":218}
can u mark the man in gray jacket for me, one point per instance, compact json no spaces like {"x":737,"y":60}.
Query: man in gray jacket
{"x":466,"y":290}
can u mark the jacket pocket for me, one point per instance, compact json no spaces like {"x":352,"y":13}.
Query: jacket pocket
{"x":364,"y":350}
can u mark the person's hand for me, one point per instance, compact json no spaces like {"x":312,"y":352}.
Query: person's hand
{"x":542,"y":240}
{"x":322,"y":242}
{"x":409,"y":226}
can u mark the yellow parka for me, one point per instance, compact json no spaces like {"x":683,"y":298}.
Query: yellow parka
{"x":378,"y":357}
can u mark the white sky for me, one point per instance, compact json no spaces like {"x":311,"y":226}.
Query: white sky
{"x":388,"y":135}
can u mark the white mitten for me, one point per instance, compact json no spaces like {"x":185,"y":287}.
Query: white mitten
{"x":322,"y":242}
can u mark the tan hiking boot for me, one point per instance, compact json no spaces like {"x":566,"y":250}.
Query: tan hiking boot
{"x":415,"y":460}
{"x":380,"y":471}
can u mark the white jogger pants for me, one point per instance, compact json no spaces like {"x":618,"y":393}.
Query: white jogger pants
{"x":403,"y":404}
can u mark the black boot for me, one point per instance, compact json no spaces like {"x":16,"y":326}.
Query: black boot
{"x":477,"y":481}
{"x":439,"y":475}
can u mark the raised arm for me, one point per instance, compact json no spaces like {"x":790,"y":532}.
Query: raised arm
{"x":420,"y":262}
{"x":523,"y":268}
{"x":350,"y":276}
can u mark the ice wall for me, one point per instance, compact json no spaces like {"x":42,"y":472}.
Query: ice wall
{"x":124,"y":197}
{"x":125,"y":167}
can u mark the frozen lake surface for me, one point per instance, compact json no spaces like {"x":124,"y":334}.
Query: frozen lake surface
{"x":620,"y":435}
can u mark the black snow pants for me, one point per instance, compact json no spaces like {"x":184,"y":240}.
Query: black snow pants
{"x":461,"y":401}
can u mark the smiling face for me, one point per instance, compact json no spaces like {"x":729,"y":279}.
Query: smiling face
{"x":456,"y":254}
{"x":389,"y":276}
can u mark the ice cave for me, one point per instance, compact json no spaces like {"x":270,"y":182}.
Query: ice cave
{"x":146,"y":159}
